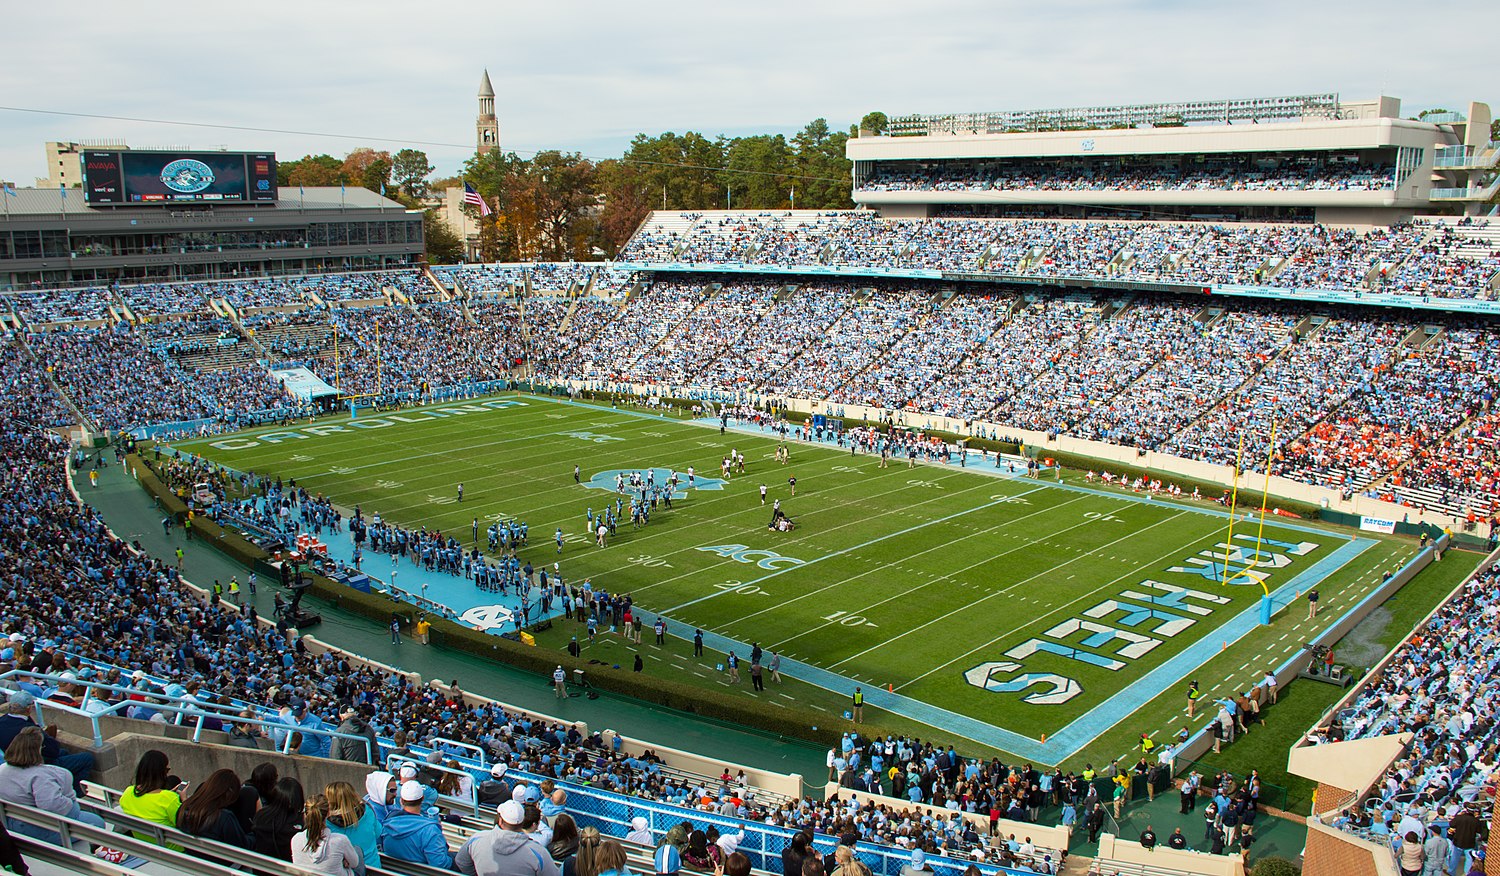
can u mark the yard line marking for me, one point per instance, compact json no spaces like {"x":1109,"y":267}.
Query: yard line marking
{"x":846,"y":550}
{"x":864,"y":611}
{"x":796,"y":540}
{"x":1176,"y":551}
{"x":996,"y":593}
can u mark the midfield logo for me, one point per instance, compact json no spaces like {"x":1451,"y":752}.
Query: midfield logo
{"x":605,"y":480}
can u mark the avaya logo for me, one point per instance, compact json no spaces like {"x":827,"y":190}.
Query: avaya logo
{"x":101,"y":165}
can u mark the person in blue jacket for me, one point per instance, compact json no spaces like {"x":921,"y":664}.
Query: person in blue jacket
{"x":415,"y":834}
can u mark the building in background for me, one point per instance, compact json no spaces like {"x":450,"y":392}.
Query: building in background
{"x":65,"y":162}
{"x":487,"y":126}
{"x":1303,"y":158}
{"x":51,"y":237}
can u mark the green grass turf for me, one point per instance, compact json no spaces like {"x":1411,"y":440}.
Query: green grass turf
{"x":910,"y":577}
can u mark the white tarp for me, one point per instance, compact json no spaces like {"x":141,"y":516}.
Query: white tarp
{"x":302,"y":384}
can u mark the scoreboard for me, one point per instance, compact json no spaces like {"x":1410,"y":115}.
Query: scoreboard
{"x":140,"y":177}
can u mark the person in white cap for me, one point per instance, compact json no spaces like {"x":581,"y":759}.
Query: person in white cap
{"x":560,"y":682}
{"x":505,"y":850}
{"x":494,"y":790}
{"x":918,"y":865}
{"x":640,"y":832}
{"x":414,"y":835}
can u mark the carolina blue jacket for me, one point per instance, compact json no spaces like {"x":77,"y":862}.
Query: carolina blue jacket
{"x":416,"y":838}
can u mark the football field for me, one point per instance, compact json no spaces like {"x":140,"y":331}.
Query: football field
{"x":1004,"y":609}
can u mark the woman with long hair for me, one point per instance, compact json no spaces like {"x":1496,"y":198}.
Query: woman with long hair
{"x":565,"y":838}
{"x":276,"y":822}
{"x":349,"y":816}
{"x":154,"y":795}
{"x":321,"y":850}
{"x":209,"y":812}
{"x":255,"y":792}
{"x":586,"y":862}
{"x":27,"y":779}
{"x":795,"y":853}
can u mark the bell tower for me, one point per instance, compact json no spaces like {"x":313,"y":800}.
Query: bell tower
{"x":486,"y":127}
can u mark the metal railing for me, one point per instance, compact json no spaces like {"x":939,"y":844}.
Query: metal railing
{"x":480,"y":754}
{"x":394,"y":762}
{"x":199,"y":856}
{"x":174,"y":705}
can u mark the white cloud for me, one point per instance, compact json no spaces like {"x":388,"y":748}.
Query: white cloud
{"x":587,"y":75}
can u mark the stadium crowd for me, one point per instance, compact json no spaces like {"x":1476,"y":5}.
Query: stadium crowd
{"x":128,"y":607}
{"x":1252,"y":176}
{"x":1379,"y":404}
{"x":1430,"y":258}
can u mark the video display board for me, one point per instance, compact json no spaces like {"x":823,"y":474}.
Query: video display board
{"x":120,"y":177}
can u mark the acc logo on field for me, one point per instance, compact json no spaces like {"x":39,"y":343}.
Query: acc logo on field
{"x":488,"y":617}
{"x":605,"y":480}
{"x":187,"y":175}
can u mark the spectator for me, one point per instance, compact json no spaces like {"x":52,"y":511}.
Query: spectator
{"x":321,"y":850}
{"x":505,"y":850}
{"x":26,"y":778}
{"x":274,"y":825}
{"x":349,"y":816}
{"x":917,"y":865}
{"x":586,"y":861}
{"x":210,"y":811}
{"x":414,"y":834}
{"x":564,"y":844}
{"x":380,"y":795}
{"x":18,"y":718}
{"x":155,"y":795}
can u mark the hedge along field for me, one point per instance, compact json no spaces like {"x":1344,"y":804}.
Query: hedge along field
{"x":950,"y":586}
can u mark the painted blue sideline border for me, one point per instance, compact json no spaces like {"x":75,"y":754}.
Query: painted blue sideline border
{"x":1083,"y":729}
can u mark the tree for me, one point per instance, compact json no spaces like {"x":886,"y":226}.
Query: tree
{"x":490,"y":249}
{"x":682,"y":172}
{"x":757,"y":170}
{"x":367,"y":168}
{"x":444,"y":247}
{"x":409,"y":170}
{"x":874,"y":124}
{"x":311,"y":170}
{"x":825,"y":174}
{"x":1276,"y":867}
{"x":626,"y":203}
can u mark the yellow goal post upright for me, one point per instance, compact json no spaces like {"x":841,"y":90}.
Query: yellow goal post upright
{"x":1266,"y":604}
{"x":353,"y":400}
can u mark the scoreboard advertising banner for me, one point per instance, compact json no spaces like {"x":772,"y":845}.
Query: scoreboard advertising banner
{"x":139,"y":177}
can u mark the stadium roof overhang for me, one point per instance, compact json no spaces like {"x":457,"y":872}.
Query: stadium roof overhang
{"x":1350,"y":766}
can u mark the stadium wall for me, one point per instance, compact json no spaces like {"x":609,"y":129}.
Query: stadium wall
{"x":1122,"y":855}
{"x":1055,"y":837}
{"x":1332,"y":852}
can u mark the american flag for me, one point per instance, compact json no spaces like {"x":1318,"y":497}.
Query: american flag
{"x":472,"y":197}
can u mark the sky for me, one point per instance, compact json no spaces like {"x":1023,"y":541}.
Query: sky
{"x":587,"y":76}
